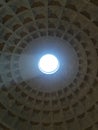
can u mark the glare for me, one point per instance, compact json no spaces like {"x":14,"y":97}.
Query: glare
{"x":48,"y":64}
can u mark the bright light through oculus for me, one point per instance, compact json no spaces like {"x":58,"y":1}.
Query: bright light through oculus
{"x":48,"y":64}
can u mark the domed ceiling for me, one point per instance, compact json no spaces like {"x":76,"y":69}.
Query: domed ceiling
{"x":31,"y":100}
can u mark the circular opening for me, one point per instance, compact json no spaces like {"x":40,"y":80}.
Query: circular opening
{"x":48,"y":64}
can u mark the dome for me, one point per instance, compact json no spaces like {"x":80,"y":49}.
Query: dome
{"x":32,"y":98}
